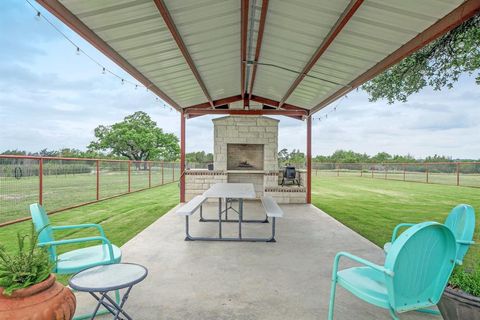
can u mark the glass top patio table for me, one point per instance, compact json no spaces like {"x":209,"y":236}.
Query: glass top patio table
{"x":108,"y":277}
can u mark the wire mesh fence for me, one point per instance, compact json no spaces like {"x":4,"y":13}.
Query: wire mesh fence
{"x":62,"y":183}
{"x":465,"y":174}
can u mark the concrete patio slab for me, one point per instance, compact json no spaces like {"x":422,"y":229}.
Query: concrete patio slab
{"x":289,"y":279}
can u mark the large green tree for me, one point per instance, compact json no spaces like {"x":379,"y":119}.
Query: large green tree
{"x":137,"y":137}
{"x":438,"y":65}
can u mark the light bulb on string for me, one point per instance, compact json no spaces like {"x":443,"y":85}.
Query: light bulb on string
{"x":78,"y":51}
{"x":123,"y":82}
{"x":38,"y":15}
{"x":136,"y":86}
{"x":103,"y":70}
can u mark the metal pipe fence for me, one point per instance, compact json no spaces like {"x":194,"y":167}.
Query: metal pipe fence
{"x":63,"y":183}
{"x":466,"y":174}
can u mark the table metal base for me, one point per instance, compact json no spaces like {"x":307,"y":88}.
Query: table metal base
{"x":202,"y":219}
{"x":113,"y":307}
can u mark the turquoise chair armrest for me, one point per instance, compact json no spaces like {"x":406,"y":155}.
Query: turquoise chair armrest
{"x":81,"y":240}
{"x":81,"y":226}
{"x":397,"y":228}
{"x":361,"y":261}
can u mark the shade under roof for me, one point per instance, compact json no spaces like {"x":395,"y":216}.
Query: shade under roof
{"x":194,"y":52}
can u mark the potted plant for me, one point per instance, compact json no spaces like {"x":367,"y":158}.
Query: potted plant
{"x":28,"y":290}
{"x":461,"y":298}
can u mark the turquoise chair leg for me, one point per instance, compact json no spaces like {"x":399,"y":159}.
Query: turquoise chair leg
{"x":99,"y":313}
{"x":429,"y":311}
{"x":331,"y":305}
{"x":393,"y":315}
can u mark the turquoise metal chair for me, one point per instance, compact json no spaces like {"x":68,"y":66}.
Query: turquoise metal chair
{"x":461,"y":220}
{"x":76,"y":260}
{"x":415,"y":273}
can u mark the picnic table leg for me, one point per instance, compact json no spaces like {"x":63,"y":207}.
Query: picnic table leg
{"x":272,"y":239}
{"x":226,"y":209}
{"x":220,"y":218}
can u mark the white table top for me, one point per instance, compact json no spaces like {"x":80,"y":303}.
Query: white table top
{"x":231,"y":190}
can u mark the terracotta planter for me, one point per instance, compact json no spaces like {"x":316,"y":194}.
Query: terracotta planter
{"x":47,"y":300}
{"x":458,"y":305}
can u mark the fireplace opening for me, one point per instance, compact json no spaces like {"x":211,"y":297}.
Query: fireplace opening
{"x":244,"y":156}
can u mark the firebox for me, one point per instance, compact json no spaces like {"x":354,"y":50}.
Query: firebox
{"x":244,"y":156}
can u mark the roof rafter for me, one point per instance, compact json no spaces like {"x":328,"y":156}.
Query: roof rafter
{"x":62,"y":13}
{"x":243,"y":45}
{"x":216,"y":103}
{"x":464,"y":12}
{"x":162,"y":8}
{"x":258,"y":47}
{"x":333,"y":33}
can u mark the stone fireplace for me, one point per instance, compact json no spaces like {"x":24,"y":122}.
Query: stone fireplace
{"x":244,"y":156}
{"x":245,"y":151}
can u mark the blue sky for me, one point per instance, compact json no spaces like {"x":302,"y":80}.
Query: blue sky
{"x":50,"y":97}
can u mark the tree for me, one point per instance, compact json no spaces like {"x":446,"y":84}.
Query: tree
{"x":438,"y":64}
{"x":137,"y":137}
{"x":199,"y":157}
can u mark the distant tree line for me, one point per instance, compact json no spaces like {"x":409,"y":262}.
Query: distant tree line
{"x":349,"y":156}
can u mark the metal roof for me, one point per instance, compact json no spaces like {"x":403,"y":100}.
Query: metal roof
{"x":304,"y":53}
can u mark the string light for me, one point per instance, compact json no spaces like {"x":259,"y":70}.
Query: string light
{"x":325,"y":116}
{"x":78,"y":51}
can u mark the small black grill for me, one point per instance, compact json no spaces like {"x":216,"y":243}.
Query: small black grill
{"x":290,"y":175}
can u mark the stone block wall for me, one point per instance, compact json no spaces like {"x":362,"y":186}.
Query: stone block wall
{"x":199,"y":181}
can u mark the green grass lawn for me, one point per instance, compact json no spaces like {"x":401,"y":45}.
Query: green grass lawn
{"x":122,"y":218}
{"x":373,"y":207}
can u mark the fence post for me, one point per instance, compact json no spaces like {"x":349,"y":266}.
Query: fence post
{"x":338,"y":169}
{"x":426,"y":172}
{"x":40,"y":181}
{"x":98,"y":179}
{"x":129,"y":176}
{"x":361,"y":169}
{"x":149,"y":174}
{"x":458,"y":173}
{"x":404,"y":171}
{"x":386,"y":168}
{"x":162,"y":172}
{"x":372,"y":171}
{"x":173,"y":171}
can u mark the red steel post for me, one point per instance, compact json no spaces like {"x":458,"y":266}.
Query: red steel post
{"x":40,"y":181}
{"x":98,"y":179}
{"x":182,"y":157}
{"x":309,"y":160}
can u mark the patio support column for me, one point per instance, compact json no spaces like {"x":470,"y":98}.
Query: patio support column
{"x":182,"y":156}
{"x":309,"y":159}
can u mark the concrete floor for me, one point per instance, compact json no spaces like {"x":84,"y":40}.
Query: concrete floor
{"x":289,"y":279}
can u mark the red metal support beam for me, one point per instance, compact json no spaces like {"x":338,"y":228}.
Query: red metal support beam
{"x":182,"y":157}
{"x":291,"y":113}
{"x":339,"y":25}
{"x":162,"y":8}
{"x":309,"y":160}
{"x":452,"y":20}
{"x":62,"y":13}
{"x":216,"y":103}
{"x":98,"y":179}
{"x":40,"y":182}
{"x":258,"y":47}
{"x":243,"y":45}
{"x":274,"y":103}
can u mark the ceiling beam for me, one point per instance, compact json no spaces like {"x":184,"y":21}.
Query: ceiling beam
{"x":452,"y":20}
{"x":243,"y":45}
{"x":162,"y":8}
{"x":258,"y":47}
{"x":339,"y":25}
{"x":216,"y":103}
{"x":67,"y":17}
{"x":274,"y":103}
